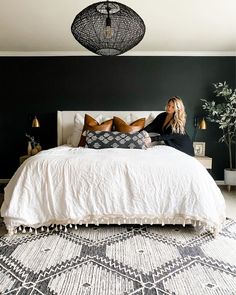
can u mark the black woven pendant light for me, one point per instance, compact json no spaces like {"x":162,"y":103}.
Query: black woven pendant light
{"x":108,"y":28}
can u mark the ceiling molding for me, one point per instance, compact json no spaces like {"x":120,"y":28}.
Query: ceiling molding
{"x":130,"y":53}
{"x":173,"y":28}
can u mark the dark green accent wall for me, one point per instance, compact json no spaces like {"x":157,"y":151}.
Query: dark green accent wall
{"x":43,"y":85}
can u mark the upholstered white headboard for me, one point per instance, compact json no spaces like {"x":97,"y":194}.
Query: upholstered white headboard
{"x":65,"y":120}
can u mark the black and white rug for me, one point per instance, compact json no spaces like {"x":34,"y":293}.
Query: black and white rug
{"x":120,"y":260}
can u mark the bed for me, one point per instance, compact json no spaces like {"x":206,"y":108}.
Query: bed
{"x":67,"y":186}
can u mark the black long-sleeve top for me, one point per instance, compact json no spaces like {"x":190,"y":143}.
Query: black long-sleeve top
{"x":181,"y":142}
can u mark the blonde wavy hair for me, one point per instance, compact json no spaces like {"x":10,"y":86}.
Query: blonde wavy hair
{"x":179,"y":120}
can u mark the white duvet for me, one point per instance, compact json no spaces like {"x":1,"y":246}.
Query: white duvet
{"x":66,"y":185}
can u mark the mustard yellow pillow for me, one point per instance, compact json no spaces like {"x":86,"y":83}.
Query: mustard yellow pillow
{"x":122,"y":126}
{"x":92,"y":125}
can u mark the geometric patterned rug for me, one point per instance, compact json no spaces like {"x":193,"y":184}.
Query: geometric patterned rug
{"x":120,"y":260}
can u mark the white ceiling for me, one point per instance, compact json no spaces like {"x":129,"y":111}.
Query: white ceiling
{"x":172,"y":27}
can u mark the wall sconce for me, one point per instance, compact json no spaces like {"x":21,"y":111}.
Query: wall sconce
{"x":202,"y":124}
{"x":35,"y":123}
{"x":199,"y":123}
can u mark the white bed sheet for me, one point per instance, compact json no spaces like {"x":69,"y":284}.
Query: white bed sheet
{"x":66,"y":185}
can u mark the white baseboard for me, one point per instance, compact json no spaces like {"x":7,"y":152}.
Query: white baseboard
{"x":220,"y":182}
{"x":4,"y":180}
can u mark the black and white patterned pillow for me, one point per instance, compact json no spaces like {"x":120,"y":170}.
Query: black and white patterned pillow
{"x":115,"y":139}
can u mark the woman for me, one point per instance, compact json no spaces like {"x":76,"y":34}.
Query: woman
{"x":171,"y":126}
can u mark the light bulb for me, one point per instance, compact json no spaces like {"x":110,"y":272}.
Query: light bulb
{"x":108,"y":32}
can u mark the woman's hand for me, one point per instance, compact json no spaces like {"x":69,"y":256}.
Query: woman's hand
{"x":147,"y":139}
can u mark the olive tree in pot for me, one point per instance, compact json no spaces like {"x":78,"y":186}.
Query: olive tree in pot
{"x":223,"y":112}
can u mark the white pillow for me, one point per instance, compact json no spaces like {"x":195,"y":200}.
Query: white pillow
{"x":148,"y":119}
{"x":127,"y":118}
{"x":74,"y":138}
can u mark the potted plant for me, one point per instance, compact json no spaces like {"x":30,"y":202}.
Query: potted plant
{"x":223,"y":113}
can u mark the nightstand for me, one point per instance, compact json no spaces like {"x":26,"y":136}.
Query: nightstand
{"x":206,"y":161}
{"x":23,"y":158}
